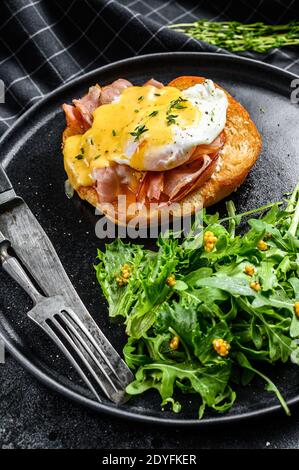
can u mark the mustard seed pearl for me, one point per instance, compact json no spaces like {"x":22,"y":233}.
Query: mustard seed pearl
{"x":262,"y":245}
{"x":221,"y":346}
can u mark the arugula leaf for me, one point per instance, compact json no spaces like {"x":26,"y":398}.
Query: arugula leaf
{"x":209,"y":382}
{"x":267,"y":275}
{"x":175,"y":316}
{"x":271,"y":387}
{"x":280,"y":345}
{"x":200,"y":273}
{"x":135,"y":354}
{"x":294,"y":281}
{"x":235,"y":286}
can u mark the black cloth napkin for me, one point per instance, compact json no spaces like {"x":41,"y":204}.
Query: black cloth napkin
{"x":45,"y":43}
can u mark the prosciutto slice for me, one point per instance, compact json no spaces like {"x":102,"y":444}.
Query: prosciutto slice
{"x":151,"y":186}
{"x":158,"y":186}
{"x":115,"y":180}
{"x":74,"y":122}
{"x":154,"y":83}
{"x":208,"y":149}
{"x":107,"y":184}
{"x":79,"y":116}
{"x":87,"y":105}
{"x":176,"y":183}
{"x":185,"y":178}
{"x":111,"y":92}
{"x":161,"y":187}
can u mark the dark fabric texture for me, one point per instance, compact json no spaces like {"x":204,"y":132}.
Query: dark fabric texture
{"x":45,"y":43}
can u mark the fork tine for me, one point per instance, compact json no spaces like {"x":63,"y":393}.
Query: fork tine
{"x":78,"y":351}
{"x":70,"y":357}
{"x":84,"y":345}
{"x":117,"y":396}
{"x":95,"y":344}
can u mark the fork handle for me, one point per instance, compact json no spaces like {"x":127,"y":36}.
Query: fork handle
{"x":15,"y":270}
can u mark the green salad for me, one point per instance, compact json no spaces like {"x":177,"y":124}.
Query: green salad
{"x":206,"y":312}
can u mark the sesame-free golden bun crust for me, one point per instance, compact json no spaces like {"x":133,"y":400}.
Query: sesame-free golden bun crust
{"x":240,"y":151}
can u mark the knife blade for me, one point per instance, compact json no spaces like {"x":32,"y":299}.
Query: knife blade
{"x":38,"y":255}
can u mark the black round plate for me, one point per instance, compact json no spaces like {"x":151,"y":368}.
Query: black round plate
{"x":31,"y":153}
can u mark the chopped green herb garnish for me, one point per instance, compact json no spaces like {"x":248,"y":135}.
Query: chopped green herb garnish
{"x":170,"y":119}
{"x":157,"y":94}
{"x":79,"y":157}
{"x":98,"y":156}
{"x":82,"y":150}
{"x":114,"y":132}
{"x":174,"y":104}
{"x":177,"y":104}
{"x":154,"y":113}
{"x":138,"y":131}
{"x":89,"y":140}
{"x":136,"y":110}
{"x":141,"y":98}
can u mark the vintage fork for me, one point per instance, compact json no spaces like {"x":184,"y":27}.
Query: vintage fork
{"x":70,"y":334}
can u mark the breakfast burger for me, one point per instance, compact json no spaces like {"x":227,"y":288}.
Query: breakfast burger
{"x":186,"y":142}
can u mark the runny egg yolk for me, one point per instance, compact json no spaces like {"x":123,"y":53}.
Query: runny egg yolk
{"x":128,"y":130}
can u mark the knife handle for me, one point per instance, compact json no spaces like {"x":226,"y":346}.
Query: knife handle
{"x":5,"y":184}
{"x":11,"y":265}
{"x":6,"y":190}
